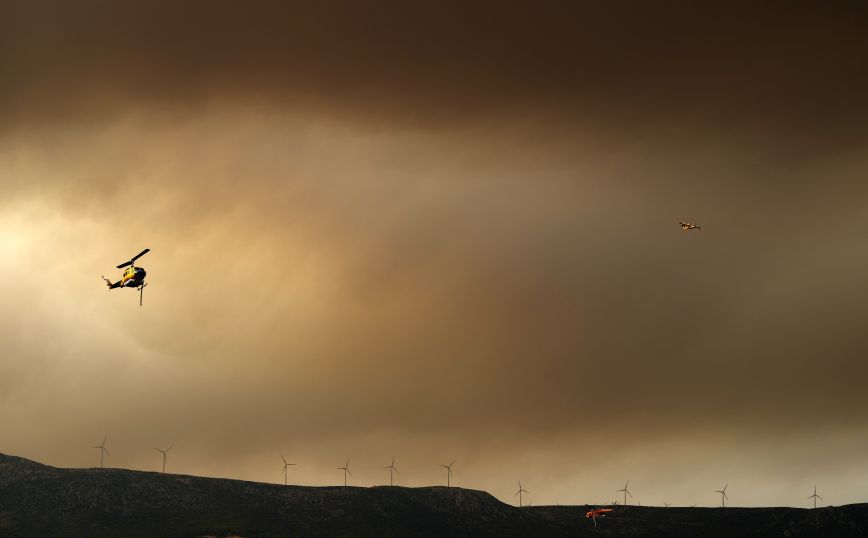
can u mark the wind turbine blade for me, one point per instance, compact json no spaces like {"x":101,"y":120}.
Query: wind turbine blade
{"x":106,"y":451}
{"x":396,"y":470}
{"x":349,"y":472}
{"x":451,"y":464}
{"x":168,"y":449}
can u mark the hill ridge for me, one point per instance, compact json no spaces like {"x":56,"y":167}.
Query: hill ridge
{"x":40,"y":500}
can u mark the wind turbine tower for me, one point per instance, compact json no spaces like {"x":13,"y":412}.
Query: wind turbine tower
{"x":519,"y":492}
{"x":164,"y":457}
{"x":286,"y":467}
{"x":815,"y":497}
{"x":346,"y":469}
{"x":102,"y":450}
{"x":626,"y":491}
{"x":392,"y":470}
{"x":723,"y":496}
{"x":448,"y":473}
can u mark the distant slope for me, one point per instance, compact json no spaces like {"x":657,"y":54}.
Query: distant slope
{"x":38,"y":500}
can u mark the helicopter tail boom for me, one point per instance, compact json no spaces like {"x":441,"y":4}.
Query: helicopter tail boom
{"x":112,"y":285}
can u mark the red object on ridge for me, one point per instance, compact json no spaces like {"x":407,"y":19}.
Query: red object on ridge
{"x":598,"y":512}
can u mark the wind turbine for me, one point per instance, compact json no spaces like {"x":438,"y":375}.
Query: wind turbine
{"x":448,"y":473}
{"x":285,"y":467}
{"x":815,"y":497}
{"x":102,"y":450}
{"x":392,"y":470}
{"x":519,"y":492}
{"x":164,"y":457}
{"x":626,"y":492}
{"x":346,"y":469}
{"x":723,"y":496}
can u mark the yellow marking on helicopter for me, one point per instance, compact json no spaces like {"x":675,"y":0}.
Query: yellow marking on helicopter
{"x":129,"y":274}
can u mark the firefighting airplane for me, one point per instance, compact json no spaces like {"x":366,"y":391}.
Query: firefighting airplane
{"x":133,"y":277}
{"x":688,"y":226}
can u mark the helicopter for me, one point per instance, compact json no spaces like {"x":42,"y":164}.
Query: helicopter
{"x":598,"y":512}
{"x":133,"y":277}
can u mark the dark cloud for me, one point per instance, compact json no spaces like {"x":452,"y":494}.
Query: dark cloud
{"x":771,"y":65}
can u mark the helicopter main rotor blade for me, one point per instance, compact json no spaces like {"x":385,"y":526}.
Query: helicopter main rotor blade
{"x":140,"y":254}
{"x":136,"y":257}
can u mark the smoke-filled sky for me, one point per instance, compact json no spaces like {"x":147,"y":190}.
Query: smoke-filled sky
{"x":439,"y":231}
